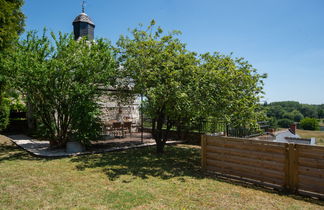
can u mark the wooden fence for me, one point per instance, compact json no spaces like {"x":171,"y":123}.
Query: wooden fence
{"x":293,"y":167}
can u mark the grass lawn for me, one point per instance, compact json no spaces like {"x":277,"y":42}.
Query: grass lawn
{"x":319,"y":135}
{"x":130,"y":179}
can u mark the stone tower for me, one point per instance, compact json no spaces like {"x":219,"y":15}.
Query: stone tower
{"x":83,"y":26}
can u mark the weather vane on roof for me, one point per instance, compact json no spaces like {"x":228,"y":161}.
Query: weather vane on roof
{"x":83,"y":6}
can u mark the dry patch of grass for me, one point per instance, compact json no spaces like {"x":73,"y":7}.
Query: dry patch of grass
{"x":319,"y":135}
{"x":5,"y":141}
{"x":136,"y":179}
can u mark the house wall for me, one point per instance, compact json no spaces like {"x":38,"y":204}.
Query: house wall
{"x":112,"y":110}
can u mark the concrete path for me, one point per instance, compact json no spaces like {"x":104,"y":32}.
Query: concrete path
{"x":41,"y":148}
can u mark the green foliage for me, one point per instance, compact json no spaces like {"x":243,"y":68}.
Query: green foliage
{"x":285,"y":123}
{"x":180,"y":86}
{"x":273,"y":122}
{"x":297,"y":116}
{"x":162,"y":70}
{"x":287,"y":105}
{"x":16,"y":100}
{"x":294,"y":115}
{"x":4,"y":114}
{"x":309,"y":111}
{"x":309,"y":124}
{"x":61,"y":78}
{"x":275,"y":111}
{"x":293,"y":110}
{"x":321,"y":111}
{"x":17,"y":105}
{"x":229,"y":89}
{"x":11,"y":25}
{"x":11,"y":21}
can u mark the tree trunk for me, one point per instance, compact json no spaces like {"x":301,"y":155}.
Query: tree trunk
{"x":167,"y":131}
{"x":158,"y":134}
{"x":179,"y":130}
{"x":54,"y":144}
{"x":160,"y":146}
{"x":57,"y":142}
{"x":153,"y":126}
{"x":31,"y":122}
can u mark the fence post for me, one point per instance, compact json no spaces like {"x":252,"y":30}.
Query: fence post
{"x":292,"y":168}
{"x":286,"y":183}
{"x":203,"y":152}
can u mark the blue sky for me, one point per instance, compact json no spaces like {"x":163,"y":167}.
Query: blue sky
{"x":283,"y":38}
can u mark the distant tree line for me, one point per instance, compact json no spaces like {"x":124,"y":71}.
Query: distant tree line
{"x":284,"y":113}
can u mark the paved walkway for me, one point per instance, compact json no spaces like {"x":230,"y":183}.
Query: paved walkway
{"x":41,"y":148}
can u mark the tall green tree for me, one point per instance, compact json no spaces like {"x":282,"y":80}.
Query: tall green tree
{"x":61,"y":78}
{"x":11,"y":25}
{"x":11,"y":22}
{"x":230,"y":89}
{"x":160,"y":68}
{"x":178,"y":85}
{"x":309,"y":111}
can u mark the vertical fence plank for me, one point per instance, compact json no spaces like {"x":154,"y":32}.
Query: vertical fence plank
{"x":203,"y":152}
{"x":292,"y":173}
{"x":296,"y":179}
{"x":287,"y":177}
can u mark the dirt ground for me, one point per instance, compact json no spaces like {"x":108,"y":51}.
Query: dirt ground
{"x":128,"y":140}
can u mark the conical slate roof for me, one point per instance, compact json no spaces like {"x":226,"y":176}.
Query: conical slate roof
{"x":83,"y":17}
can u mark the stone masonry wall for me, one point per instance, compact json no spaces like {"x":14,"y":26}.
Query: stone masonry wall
{"x":112,"y":110}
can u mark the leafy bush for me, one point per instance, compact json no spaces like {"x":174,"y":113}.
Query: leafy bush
{"x":273,"y":122}
{"x":61,"y":78}
{"x":309,"y":124}
{"x":16,"y":101}
{"x":4,"y":114}
{"x":297,"y":115}
{"x":285,"y":123}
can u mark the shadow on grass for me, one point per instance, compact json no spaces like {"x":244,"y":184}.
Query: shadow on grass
{"x":176,"y":161}
{"x":263,"y":188}
{"x":11,"y":152}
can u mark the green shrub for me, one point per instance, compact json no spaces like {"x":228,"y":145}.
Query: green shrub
{"x":17,"y":102}
{"x":4,"y":115}
{"x":309,"y":124}
{"x":273,"y":122}
{"x":285,"y":123}
{"x":297,"y":116}
{"x":61,"y":78}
